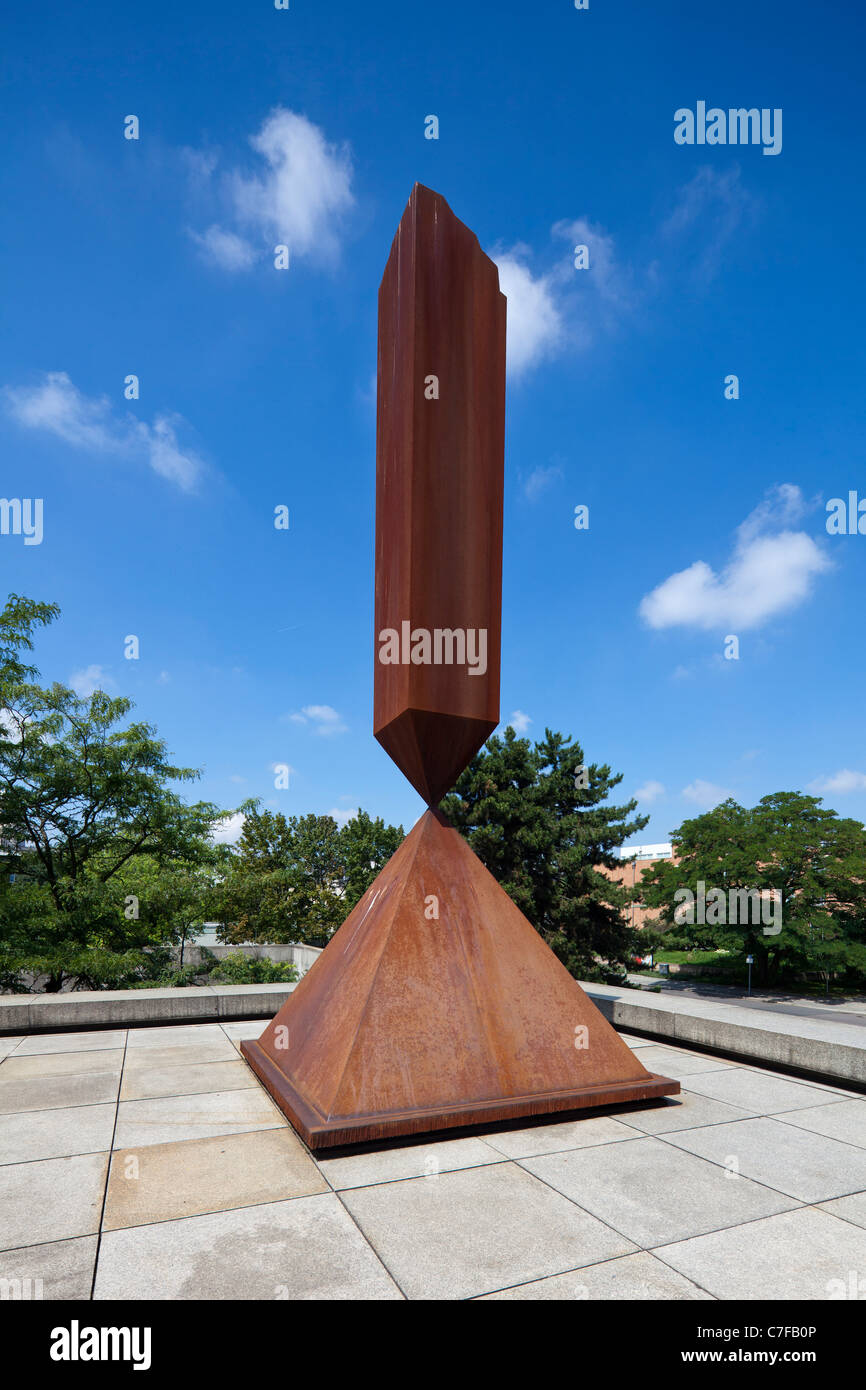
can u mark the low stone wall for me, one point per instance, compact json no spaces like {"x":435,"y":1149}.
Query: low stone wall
{"x":820,"y":1047}
{"x":135,"y":1008}
{"x":301,"y":956}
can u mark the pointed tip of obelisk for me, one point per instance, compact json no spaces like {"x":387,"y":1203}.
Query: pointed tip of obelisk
{"x":432,"y":748}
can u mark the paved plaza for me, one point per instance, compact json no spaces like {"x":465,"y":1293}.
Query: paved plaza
{"x":150,"y":1163}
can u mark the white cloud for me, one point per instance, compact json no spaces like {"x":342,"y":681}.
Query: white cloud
{"x":841,"y":783}
{"x":325,"y":720}
{"x":519,"y":721}
{"x":709,"y":210}
{"x":534,"y":328}
{"x":57,"y":406}
{"x":604,"y":275}
{"x":298,"y":196}
{"x":539,"y":480}
{"x":563,"y":307}
{"x":228,"y":831}
{"x":165,"y":455}
{"x":650,"y":791}
{"x":92,"y":678}
{"x":766,"y":575}
{"x":706,"y":795}
{"x":341,"y":816}
{"x":782,"y":508}
{"x":225,"y":249}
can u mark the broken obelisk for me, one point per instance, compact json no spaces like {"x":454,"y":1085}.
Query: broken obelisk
{"x":437,"y":1004}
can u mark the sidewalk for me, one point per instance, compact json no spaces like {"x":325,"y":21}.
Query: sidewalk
{"x":150,"y":1163}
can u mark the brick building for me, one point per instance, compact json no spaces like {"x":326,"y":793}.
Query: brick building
{"x":637,"y":860}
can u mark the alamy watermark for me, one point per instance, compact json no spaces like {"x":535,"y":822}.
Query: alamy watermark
{"x":22,"y":516}
{"x":846,"y":517}
{"x":444,"y":646}
{"x":736,"y":126}
{"x":737,"y":907}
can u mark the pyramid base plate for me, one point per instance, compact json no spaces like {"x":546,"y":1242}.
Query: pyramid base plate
{"x":320,"y":1132}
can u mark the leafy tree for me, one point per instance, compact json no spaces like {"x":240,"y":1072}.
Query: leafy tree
{"x":89,"y":817}
{"x":295,"y":879}
{"x":366,"y":845}
{"x":789,"y":845}
{"x":534,"y":816}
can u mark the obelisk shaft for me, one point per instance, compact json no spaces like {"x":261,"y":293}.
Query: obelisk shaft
{"x":439,"y":482}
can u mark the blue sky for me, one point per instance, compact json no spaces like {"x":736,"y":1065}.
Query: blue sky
{"x":306,"y":127}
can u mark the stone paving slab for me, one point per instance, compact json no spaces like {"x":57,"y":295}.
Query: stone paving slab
{"x":629,"y":1277}
{"x":51,"y":1200}
{"x":757,"y":1091}
{"x":40,"y":1043}
{"x":805,"y":1253}
{"x":212,"y":1194}
{"x":845,"y":1120}
{"x":57,"y":1092}
{"x":576,"y":1134}
{"x":409,"y":1161}
{"x":652,"y":1193}
{"x":163,"y":1182}
{"x":851,"y":1208}
{"x":191,"y":1054}
{"x":149,"y":1083}
{"x":670,"y":1061}
{"x":802,"y":1164}
{"x":61,"y":1064}
{"x":244,"y":1032}
{"x":60,"y":1269}
{"x":179,"y":1035}
{"x":58,"y":1133}
{"x":171,"y":1118}
{"x":478,"y":1229}
{"x":685,"y":1111}
{"x":308,"y":1248}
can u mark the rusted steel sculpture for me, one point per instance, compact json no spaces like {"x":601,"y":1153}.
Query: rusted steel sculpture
{"x":437,"y":1004}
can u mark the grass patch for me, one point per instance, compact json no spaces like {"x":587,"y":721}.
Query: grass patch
{"x":690,"y":957}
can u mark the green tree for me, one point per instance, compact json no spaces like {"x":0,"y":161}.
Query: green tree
{"x":790,"y":846}
{"x":85,"y":807}
{"x":534,"y":815}
{"x":296,"y":878}
{"x":366,"y":845}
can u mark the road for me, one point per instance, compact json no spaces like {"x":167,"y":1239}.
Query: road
{"x":851,"y":1011}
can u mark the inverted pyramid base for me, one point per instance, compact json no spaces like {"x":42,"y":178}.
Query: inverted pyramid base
{"x":318,"y":1132}
{"x":438,"y":1006}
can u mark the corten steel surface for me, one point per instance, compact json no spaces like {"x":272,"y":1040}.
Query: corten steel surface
{"x":437,"y":1004}
{"x":439,"y":481}
{"x":407,"y":1024}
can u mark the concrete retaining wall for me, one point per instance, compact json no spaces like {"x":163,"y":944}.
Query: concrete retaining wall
{"x":822,"y":1048}
{"x":301,"y":956}
{"x":135,"y":1008}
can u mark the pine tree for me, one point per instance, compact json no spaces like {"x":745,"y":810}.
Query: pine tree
{"x":535,"y":818}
